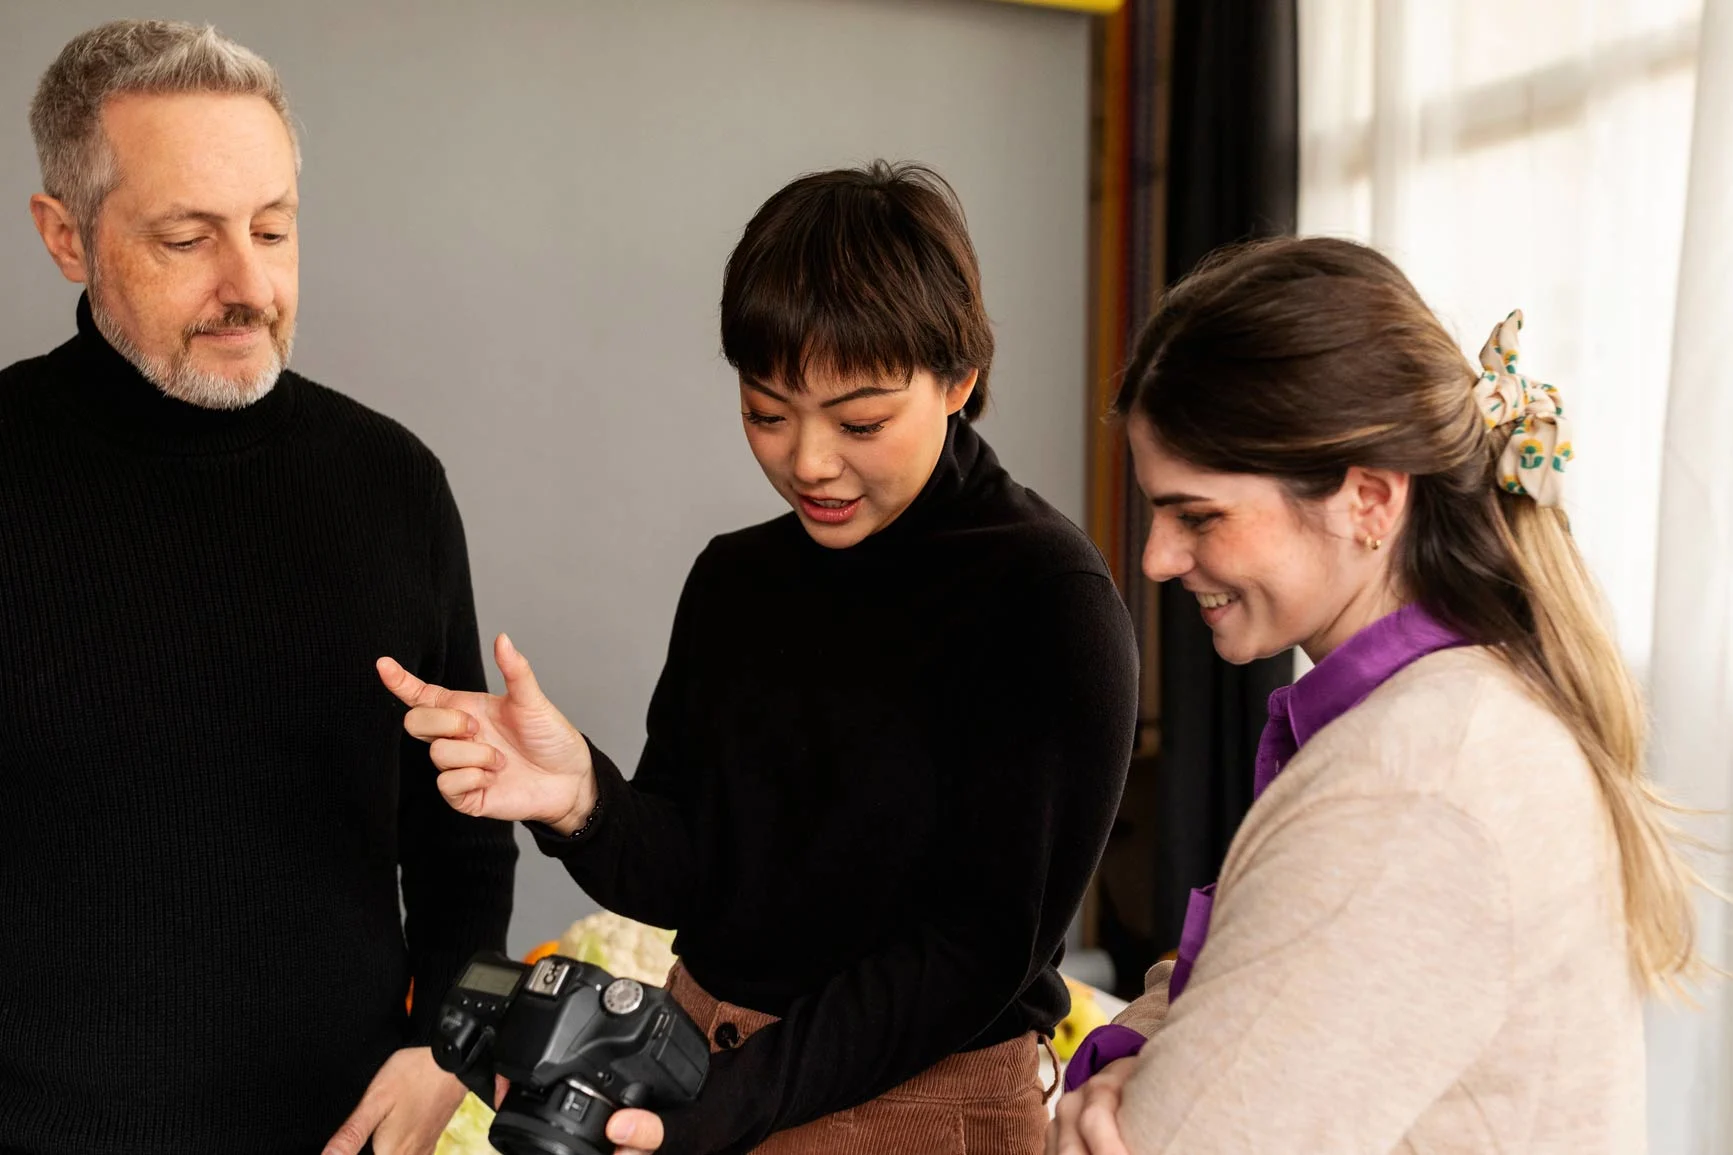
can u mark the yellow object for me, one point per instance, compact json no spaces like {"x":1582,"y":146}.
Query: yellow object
{"x":1100,"y":6}
{"x":466,"y":1134}
{"x":1086,"y":1014}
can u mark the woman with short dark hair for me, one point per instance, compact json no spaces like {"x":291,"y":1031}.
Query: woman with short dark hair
{"x":893,"y":727}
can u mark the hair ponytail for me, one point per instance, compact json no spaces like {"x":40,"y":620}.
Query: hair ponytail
{"x":1299,"y":358}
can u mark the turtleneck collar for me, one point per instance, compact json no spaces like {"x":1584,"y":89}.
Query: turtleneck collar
{"x":964,"y":463}
{"x":102,"y":391}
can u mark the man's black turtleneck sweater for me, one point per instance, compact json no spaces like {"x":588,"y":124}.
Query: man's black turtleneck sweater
{"x":205,"y":793}
{"x":876,"y":783}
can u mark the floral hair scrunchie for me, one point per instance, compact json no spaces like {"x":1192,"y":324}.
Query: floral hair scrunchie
{"x":1538,"y":453}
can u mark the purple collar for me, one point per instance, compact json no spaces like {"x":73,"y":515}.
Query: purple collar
{"x":1342,"y":681}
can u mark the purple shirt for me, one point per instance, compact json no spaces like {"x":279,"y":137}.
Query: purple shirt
{"x":1330,"y":689}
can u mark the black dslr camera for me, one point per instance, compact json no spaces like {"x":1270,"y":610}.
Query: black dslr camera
{"x":576,"y":1044}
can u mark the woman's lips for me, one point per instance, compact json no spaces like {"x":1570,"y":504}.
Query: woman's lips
{"x":828,"y":511}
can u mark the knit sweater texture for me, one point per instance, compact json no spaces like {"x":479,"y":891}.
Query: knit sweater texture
{"x":206,"y":796}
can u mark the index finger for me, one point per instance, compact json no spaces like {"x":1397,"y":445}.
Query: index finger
{"x":409,"y":689}
{"x":1062,"y":1136}
{"x":1098,"y":1123}
{"x":356,"y":1129}
{"x":429,"y":724}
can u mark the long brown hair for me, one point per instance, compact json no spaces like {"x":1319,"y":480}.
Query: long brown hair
{"x":1298,"y":358}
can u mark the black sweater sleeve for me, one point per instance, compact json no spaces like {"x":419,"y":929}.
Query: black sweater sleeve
{"x":637,"y":856}
{"x":457,"y":870}
{"x":1040,"y":771}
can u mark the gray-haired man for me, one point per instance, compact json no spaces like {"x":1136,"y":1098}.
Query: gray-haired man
{"x":205,"y":797}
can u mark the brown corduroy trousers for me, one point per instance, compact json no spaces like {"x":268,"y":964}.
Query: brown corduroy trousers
{"x":986,"y":1102}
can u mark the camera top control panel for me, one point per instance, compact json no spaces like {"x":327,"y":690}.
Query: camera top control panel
{"x":479,"y":998}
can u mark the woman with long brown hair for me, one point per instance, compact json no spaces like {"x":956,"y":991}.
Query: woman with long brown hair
{"x":1436,"y":926}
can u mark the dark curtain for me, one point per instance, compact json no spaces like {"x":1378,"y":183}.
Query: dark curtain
{"x":1196,"y":127}
{"x":1233,"y":174}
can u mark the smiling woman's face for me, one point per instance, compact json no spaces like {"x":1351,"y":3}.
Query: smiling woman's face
{"x":1269,"y":572}
{"x":850,"y":454}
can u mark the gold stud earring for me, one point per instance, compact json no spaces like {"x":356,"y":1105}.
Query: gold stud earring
{"x":1374,"y":543}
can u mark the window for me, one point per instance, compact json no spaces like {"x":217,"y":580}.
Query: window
{"x":1527,"y":156}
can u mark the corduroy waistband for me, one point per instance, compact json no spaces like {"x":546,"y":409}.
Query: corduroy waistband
{"x":994,"y":1072}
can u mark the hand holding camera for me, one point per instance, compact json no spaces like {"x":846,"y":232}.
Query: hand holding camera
{"x":575,"y":1043}
{"x":511,"y":756}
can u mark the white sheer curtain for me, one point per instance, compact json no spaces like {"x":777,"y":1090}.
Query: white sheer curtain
{"x":1691,"y":1052}
{"x":1537,"y":154}
{"x":1526,"y":154}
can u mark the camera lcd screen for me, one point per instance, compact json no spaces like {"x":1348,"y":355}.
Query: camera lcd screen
{"x":489,"y":980}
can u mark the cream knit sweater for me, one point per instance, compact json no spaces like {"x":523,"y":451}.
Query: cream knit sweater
{"x":1417,"y":946}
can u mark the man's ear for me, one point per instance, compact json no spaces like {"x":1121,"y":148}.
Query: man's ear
{"x":60,"y":237}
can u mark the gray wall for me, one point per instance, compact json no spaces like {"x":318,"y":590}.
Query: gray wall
{"x":514,"y":220}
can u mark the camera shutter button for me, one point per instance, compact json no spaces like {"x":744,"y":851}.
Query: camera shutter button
{"x":623,"y":996}
{"x":728,"y":1036}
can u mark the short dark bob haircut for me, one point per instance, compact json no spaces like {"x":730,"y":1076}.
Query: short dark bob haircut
{"x":859,"y":271}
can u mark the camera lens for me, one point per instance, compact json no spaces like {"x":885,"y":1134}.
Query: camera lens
{"x":564,"y":1120}
{"x":536,"y":1145}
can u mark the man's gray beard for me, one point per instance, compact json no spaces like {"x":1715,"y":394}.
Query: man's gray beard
{"x":177,"y":376}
